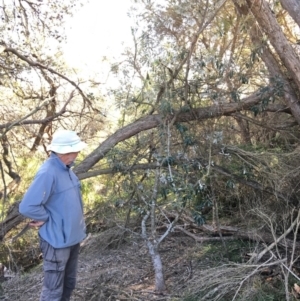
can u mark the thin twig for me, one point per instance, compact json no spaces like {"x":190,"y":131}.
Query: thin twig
{"x":44,"y":103}
{"x":272,"y":245}
{"x":256,"y":270}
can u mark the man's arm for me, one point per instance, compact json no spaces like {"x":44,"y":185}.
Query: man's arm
{"x":32,"y":204}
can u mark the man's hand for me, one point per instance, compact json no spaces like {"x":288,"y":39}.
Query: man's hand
{"x":29,"y":225}
{"x":36,"y":223}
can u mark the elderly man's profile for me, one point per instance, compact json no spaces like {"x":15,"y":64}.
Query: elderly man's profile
{"x":53,"y":202}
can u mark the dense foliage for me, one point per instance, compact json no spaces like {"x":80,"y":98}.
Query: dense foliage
{"x":209,"y":106}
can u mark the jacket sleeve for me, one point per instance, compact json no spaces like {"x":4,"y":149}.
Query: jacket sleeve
{"x":38,"y":193}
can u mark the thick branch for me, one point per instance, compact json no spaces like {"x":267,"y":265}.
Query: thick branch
{"x":152,"y":121}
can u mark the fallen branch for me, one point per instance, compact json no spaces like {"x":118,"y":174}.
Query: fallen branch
{"x":276,"y":242}
{"x":234,"y":233}
{"x":201,"y":238}
{"x":256,"y":270}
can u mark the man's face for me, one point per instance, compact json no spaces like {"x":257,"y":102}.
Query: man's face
{"x":68,"y":158}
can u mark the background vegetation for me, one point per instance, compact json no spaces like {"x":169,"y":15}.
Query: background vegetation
{"x":207,"y":144}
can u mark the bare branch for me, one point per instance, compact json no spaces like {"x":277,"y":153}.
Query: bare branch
{"x":39,"y":65}
{"x":21,"y":121}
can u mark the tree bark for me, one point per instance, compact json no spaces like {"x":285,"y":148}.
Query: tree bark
{"x":244,"y":127}
{"x":275,"y":70}
{"x":13,"y":219}
{"x":160,"y":286}
{"x":293,"y":8}
{"x":269,"y":25}
{"x":152,"y":121}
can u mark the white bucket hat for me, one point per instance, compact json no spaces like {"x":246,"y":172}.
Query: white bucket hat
{"x":65,"y":141}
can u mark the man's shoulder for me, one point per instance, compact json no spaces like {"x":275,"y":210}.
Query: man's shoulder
{"x":47,"y":168}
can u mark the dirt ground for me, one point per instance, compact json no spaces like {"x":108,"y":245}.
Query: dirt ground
{"x":110,"y":270}
{"x":117,"y":267}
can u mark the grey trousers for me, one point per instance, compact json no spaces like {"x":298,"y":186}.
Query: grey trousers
{"x":60,"y":269}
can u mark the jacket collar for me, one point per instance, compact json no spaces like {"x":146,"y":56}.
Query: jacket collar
{"x":58,"y":162}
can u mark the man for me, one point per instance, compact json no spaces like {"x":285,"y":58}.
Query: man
{"x":53,"y":201}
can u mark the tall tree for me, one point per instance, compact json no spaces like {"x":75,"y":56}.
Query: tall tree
{"x":208,"y":96}
{"x":37,"y":87}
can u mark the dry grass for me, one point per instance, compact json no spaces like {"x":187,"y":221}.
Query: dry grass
{"x":108,"y":272}
{"x":117,"y":267}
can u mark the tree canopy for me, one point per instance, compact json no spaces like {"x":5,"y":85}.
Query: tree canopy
{"x":208,"y":100}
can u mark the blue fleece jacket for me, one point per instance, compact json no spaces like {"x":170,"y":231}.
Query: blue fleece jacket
{"x":54,"y":197}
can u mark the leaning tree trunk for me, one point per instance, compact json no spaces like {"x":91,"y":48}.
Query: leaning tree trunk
{"x":290,"y":96}
{"x":274,"y":67}
{"x":293,"y":8}
{"x":268,"y":23}
{"x":153,"y":121}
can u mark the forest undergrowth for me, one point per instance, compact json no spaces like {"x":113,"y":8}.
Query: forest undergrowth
{"x":115,"y":265}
